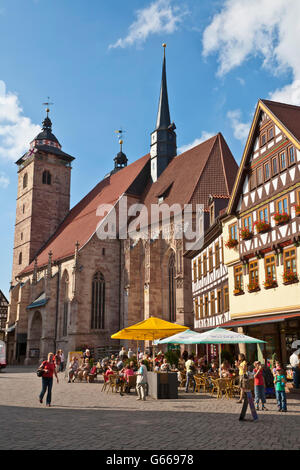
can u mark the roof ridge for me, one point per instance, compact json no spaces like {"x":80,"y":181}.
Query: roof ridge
{"x":282,"y":104}
{"x":198,"y":145}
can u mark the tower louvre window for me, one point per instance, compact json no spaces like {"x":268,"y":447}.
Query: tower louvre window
{"x":46,"y":177}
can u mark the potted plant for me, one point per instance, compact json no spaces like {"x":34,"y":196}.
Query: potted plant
{"x":297,"y":209}
{"x":281,"y":218}
{"x":238,"y":291}
{"x":253,"y":286}
{"x":262,"y":226}
{"x":270,"y":282}
{"x":246,"y":234}
{"x":289,"y":277}
{"x":231,"y":243}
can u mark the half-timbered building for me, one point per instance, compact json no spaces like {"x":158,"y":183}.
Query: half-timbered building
{"x":262,"y":231}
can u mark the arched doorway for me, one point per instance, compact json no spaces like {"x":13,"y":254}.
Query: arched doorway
{"x":34,"y":338}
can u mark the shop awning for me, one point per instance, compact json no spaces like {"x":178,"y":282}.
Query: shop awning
{"x":260,"y":320}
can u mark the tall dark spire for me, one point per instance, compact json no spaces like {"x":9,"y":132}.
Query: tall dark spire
{"x":163,"y":116}
{"x":163,"y":139}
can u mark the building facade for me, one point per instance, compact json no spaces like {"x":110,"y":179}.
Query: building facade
{"x":262,"y":232}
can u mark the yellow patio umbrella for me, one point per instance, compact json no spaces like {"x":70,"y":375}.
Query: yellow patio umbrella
{"x":150,"y":329}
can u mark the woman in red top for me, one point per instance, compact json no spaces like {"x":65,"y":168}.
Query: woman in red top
{"x":49,"y":369}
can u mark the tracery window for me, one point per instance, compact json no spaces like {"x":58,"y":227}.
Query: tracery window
{"x":98,"y":301}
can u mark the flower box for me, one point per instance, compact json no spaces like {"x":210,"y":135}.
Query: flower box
{"x":270,"y":283}
{"x":289,"y":277}
{"x":246,"y":234}
{"x":238,"y":291}
{"x":231,"y":243}
{"x":297,"y":209}
{"x":253,"y":287}
{"x":281,"y":219}
{"x":262,"y":227}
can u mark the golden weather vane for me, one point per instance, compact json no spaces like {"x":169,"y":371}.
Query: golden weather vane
{"x":48,"y":103}
{"x":120,"y":133}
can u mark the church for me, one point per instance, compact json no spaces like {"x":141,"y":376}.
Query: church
{"x":72,"y":289}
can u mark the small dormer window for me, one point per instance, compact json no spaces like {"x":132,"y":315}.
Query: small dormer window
{"x":46,"y":177}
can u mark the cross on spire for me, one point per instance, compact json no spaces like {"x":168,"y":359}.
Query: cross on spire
{"x":48,"y":103}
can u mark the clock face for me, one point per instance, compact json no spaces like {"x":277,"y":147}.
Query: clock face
{"x":153,"y":150}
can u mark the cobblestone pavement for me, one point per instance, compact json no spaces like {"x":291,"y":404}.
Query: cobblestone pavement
{"x":83,"y":417}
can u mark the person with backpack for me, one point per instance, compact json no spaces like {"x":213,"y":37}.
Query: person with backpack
{"x":48,"y":368}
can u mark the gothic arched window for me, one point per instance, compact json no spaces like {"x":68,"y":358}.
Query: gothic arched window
{"x":46,"y":177}
{"x":66,"y":306}
{"x":98,"y":301}
{"x":172,"y":288}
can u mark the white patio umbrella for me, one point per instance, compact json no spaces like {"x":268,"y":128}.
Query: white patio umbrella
{"x":216,"y":336}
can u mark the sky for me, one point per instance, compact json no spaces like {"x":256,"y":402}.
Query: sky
{"x":100,"y":64}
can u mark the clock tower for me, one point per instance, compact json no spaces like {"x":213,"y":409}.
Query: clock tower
{"x":163,"y":138}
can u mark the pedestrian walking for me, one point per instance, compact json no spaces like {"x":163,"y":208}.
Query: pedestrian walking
{"x":49,"y":369}
{"x":57,"y":360}
{"x":259,"y":385}
{"x":295,"y":363}
{"x":141,"y":381}
{"x":190,"y":371}
{"x":280,"y":382}
{"x":242,"y":365}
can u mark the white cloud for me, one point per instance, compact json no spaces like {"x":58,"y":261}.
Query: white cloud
{"x":4,"y":180}
{"x":16,"y":130}
{"x":161,"y":17}
{"x":268,"y":29}
{"x":204,"y":136}
{"x":240,"y":129}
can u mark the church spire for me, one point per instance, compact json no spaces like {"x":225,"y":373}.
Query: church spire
{"x":163,"y":116}
{"x":163,"y":138}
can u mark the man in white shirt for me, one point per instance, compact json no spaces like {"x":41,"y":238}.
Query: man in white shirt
{"x":130,"y":353}
{"x":294,"y":361}
{"x":141,"y":381}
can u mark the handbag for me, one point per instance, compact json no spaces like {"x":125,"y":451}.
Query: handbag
{"x":40,"y":372}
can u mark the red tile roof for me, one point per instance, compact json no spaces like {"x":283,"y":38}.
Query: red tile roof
{"x":81,"y":222}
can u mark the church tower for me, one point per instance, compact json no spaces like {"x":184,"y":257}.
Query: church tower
{"x":163,"y":138}
{"x":43,"y":200}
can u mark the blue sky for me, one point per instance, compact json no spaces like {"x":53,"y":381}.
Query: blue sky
{"x":100,"y":63}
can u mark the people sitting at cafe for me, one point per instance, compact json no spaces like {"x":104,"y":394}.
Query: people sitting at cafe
{"x":109,"y":371}
{"x":165,"y":366}
{"x":213,"y":370}
{"x":73,"y":369}
{"x":225,"y":369}
{"x":84,"y":370}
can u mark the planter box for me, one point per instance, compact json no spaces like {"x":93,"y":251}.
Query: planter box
{"x":272,"y":286}
{"x":162,"y":385}
{"x":254,"y":290}
{"x":241,"y":292}
{"x":286,"y":283}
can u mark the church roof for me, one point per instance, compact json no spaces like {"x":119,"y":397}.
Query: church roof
{"x":81,"y":222}
{"x":208,"y":168}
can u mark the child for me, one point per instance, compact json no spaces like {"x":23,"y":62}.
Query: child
{"x":259,"y":385}
{"x":280,"y":382}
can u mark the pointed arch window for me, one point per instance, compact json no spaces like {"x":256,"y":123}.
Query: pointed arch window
{"x":172,"y":288}
{"x":98,"y":302}
{"x":46,"y":177}
{"x":65,"y":307}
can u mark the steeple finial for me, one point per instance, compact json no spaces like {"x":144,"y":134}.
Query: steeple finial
{"x":163,"y":116}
